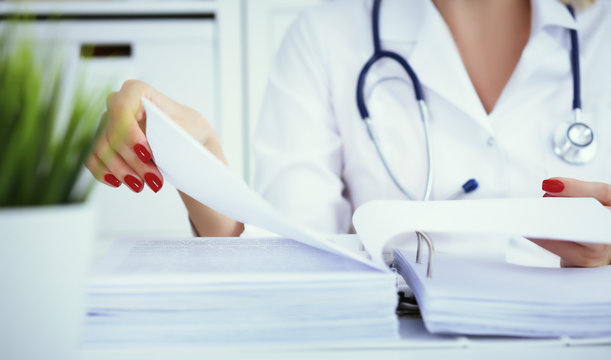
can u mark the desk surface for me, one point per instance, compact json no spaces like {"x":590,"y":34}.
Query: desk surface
{"x":415,"y":341}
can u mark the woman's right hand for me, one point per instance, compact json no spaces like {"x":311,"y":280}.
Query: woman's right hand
{"x":122,"y":154}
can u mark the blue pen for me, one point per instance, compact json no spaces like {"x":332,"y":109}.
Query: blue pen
{"x":466,"y":188}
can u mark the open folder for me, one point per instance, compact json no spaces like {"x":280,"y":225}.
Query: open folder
{"x":194,"y":170}
{"x":484,"y":297}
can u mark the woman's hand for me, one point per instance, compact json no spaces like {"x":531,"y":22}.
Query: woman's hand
{"x":123,"y":155}
{"x":575,"y":254}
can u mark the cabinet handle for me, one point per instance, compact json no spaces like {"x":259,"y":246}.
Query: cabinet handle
{"x":106,"y":50}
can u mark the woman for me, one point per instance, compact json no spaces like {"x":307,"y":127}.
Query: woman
{"x":497,"y":79}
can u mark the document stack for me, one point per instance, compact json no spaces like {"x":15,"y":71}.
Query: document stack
{"x":482,"y":297}
{"x":236,"y":290}
{"x":220,"y":289}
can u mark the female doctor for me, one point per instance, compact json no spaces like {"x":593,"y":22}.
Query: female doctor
{"x":496,"y":77}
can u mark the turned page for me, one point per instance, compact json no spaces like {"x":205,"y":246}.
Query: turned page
{"x":191,"y":168}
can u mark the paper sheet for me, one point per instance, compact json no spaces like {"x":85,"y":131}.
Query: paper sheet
{"x":192,"y":169}
{"x":569,"y":219}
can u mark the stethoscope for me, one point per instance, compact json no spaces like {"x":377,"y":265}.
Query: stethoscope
{"x":573,"y":141}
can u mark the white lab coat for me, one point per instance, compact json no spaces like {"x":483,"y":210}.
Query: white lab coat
{"x":315,"y":162}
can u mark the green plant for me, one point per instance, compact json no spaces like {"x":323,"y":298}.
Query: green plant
{"x":41,"y":154}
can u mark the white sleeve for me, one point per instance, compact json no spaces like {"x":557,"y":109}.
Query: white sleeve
{"x":297,"y":145}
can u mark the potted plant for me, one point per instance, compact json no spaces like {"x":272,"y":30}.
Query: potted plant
{"x":46,"y":227}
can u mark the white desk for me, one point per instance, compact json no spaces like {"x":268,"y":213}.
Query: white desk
{"x":415,"y":342}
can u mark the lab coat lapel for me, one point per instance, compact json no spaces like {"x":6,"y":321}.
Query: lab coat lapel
{"x":424,"y":39}
{"x":542,"y":60}
{"x":545,"y":56}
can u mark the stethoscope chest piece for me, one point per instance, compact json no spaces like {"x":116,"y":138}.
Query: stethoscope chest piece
{"x":574,"y":143}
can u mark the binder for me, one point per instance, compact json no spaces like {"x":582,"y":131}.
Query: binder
{"x":486,"y":297}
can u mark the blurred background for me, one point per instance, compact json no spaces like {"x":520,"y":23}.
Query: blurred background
{"x":212,"y":55}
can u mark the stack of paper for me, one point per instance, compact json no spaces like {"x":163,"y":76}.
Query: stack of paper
{"x":235,"y":289}
{"x":475,"y":296}
{"x":254,"y":294}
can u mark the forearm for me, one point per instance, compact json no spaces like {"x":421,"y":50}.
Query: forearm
{"x":206,"y":221}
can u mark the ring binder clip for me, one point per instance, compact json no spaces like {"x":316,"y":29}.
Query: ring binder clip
{"x":429,"y":243}
{"x":418,"y":252}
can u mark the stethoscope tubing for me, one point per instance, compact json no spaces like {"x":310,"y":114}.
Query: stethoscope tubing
{"x":575,"y":68}
{"x":379,"y":54}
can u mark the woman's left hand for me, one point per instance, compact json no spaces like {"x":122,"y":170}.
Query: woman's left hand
{"x":575,"y":254}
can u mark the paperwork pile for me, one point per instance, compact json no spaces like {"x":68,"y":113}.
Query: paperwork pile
{"x":480,"y":297}
{"x":228,"y":290}
{"x":236,"y":290}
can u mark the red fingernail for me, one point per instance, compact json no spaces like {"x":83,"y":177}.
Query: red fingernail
{"x":552,"y":185}
{"x":112,"y":180}
{"x":142,"y":153}
{"x":153,"y":181}
{"x":133,"y":183}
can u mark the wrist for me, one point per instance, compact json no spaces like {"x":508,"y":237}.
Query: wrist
{"x":213,"y":144}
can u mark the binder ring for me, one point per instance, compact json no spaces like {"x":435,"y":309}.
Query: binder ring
{"x":429,"y":243}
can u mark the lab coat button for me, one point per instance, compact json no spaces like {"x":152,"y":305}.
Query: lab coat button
{"x":491,"y":141}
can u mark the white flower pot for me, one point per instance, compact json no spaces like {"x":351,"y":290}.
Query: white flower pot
{"x":45,"y":254}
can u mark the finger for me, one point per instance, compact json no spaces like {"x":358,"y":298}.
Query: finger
{"x":568,"y":187}
{"x":109,"y":99}
{"x":575,"y":254}
{"x":101,"y":172}
{"x":126,"y":135}
{"x":565,"y":249}
{"x":124,"y":125}
{"x":117,"y":166}
{"x":593,"y":255}
{"x":132,"y":92}
{"x":146,"y":170}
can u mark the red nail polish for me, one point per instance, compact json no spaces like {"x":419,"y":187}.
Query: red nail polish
{"x":153,"y":181}
{"x":133,"y":183}
{"x":112,"y":180}
{"x":142,"y":153}
{"x":552,"y":185}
